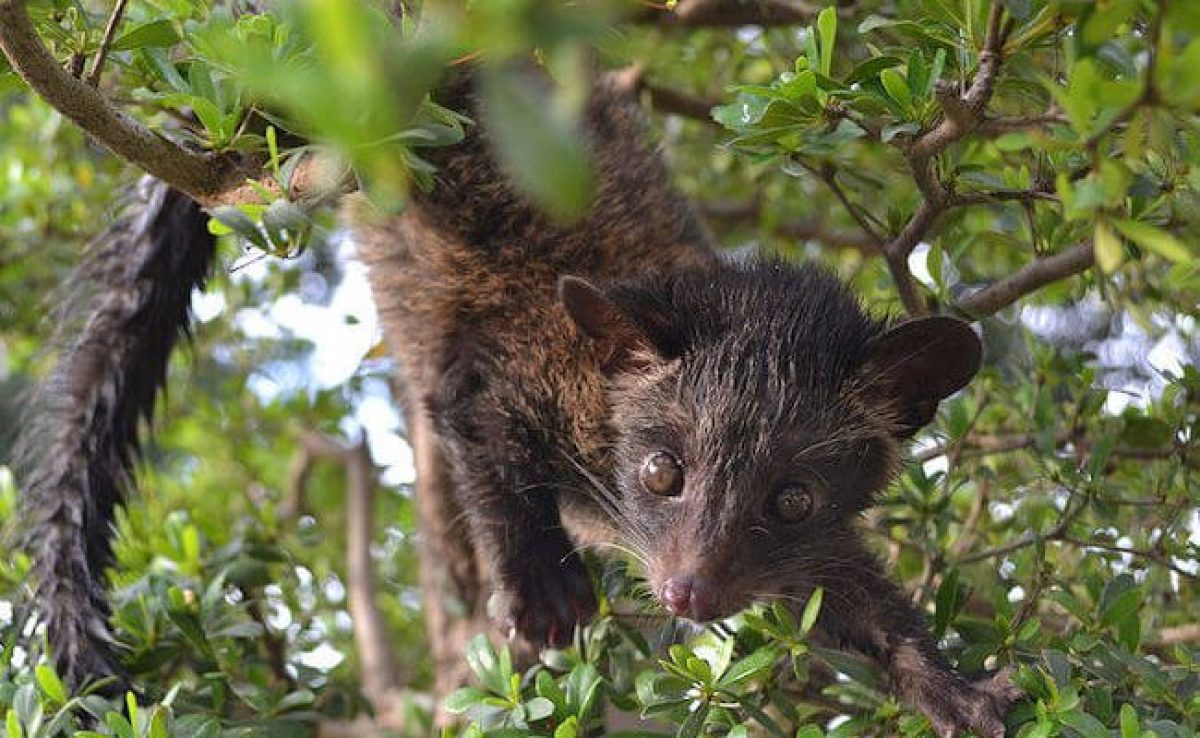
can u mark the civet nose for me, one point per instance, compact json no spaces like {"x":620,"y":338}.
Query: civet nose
{"x":689,"y":597}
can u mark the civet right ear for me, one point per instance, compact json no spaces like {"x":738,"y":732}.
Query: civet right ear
{"x":917,"y":364}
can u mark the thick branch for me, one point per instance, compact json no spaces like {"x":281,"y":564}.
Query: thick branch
{"x":1189,"y":633}
{"x":200,"y":175}
{"x":1028,"y":279}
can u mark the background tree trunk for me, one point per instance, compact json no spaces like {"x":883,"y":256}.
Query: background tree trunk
{"x":451,"y":577}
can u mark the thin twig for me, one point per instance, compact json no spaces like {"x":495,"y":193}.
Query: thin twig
{"x":996,"y":127}
{"x":827,"y":174}
{"x":1032,"y":538}
{"x":674,"y":102}
{"x":1140,"y":553}
{"x":749,"y":211}
{"x":110,"y":32}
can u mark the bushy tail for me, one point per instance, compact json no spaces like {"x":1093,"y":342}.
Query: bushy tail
{"x":128,"y":307}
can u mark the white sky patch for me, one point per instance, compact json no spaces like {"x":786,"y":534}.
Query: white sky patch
{"x":918,"y":264}
{"x":207,"y":306}
{"x":1167,"y":356}
{"x":936,"y":465}
{"x":322,"y":658}
{"x":341,"y":333}
{"x":255,"y":323}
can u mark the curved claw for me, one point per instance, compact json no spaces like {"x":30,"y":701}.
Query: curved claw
{"x":544,"y":604}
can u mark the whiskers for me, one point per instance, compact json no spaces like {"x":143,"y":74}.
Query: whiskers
{"x":630,"y":528}
{"x":629,"y":551}
{"x":843,"y":575}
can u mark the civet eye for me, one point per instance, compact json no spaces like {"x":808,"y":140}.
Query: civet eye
{"x":662,"y":474}
{"x":794,"y":503}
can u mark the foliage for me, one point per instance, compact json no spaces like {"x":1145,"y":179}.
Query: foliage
{"x":1049,"y":523}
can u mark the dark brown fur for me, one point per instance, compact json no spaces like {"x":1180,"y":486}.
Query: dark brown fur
{"x":126,"y":307}
{"x":547,"y":402}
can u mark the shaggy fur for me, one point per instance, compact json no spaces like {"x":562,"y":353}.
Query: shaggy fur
{"x":128,"y":308}
{"x":549,"y":395}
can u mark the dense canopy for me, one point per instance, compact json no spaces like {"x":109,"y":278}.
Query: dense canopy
{"x":1032,"y":165}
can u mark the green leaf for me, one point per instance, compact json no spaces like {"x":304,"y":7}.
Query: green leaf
{"x":463,"y":699}
{"x":155,"y":33}
{"x":694,"y":722}
{"x":1129,"y":722}
{"x":812,"y":609}
{"x":750,"y":667}
{"x":1120,"y":599}
{"x":852,"y":666}
{"x":238,"y":222}
{"x":12,"y":726}
{"x":1108,"y":249}
{"x":538,"y":708}
{"x":827,"y":29}
{"x":541,"y":149}
{"x":1155,"y":239}
{"x":1139,"y":431}
{"x":51,"y":685}
{"x":1087,"y":725}
{"x":119,"y":725}
{"x":871,"y":68}
{"x":897,"y":87}
{"x":949,"y":600}
{"x":158,"y":723}
{"x":568,"y":729}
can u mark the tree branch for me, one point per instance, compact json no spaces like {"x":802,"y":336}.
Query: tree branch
{"x":1141,"y":553}
{"x":801,"y":229}
{"x":201,"y":175}
{"x":1171,"y":636}
{"x":1027,"y":279}
{"x":379,"y":673}
{"x":110,"y":32}
{"x":664,"y":99}
{"x":674,"y":102}
{"x":996,"y":127}
{"x":960,"y":117}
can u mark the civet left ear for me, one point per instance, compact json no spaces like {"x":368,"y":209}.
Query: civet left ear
{"x":622,"y":344}
{"x":916,"y":364}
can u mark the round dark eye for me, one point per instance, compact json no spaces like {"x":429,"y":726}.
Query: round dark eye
{"x":662,"y":474}
{"x":794,"y":503}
